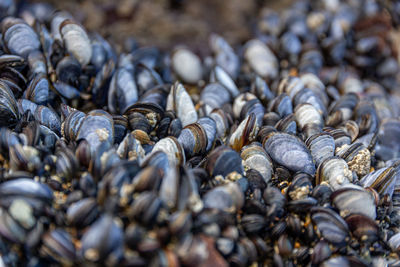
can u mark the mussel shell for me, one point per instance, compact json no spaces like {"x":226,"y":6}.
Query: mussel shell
{"x":48,"y":118}
{"x":340,"y":136}
{"x":357,"y":156}
{"x":255,"y":157}
{"x":58,"y":244}
{"x":9,"y":113}
{"x":331,"y":226}
{"x":220,"y":76}
{"x":65,"y":90}
{"x":354,"y":200}
{"x":382,"y":180}
{"x":261,"y":59}
{"x":290,"y":85}
{"x":97,"y":127}
{"x":335,"y":171}
{"x":342,"y":110}
{"x":244,"y":133}
{"x":281,"y":105}
{"x":38,"y":90}
{"x":19,"y":38}
{"x":193,"y":139}
{"x":172,"y":148}
{"x":322,"y":146}
{"x":120,"y":128}
{"x":227,"y":198}
{"x":215,"y":95}
{"x":261,"y":90}
{"x":210,"y":129}
{"x":123,"y":91}
{"x":130,"y":148}
{"x":187,"y":65}
{"x":68,"y":70}
{"x":363,"y":227}
{"x":366,"y":117}
{"x":180,"y":102}
{"x":222,"y":161}
{"x":225,"y":56}
{"x":387,"y":146}
{"x":308,"y":96}
{"x":71,"y":125}
{"x":82,"y":213}
{"x":222,"y":121}
{"x":300,"y":187}
{"x":306,"y":114}
{"x":25,"y":188}
{"x":289,"y":151}
{"x":76,"y":41}
{"x":104,"y":237}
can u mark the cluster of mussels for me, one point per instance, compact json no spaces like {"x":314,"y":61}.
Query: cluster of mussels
{"x":282,"y":151}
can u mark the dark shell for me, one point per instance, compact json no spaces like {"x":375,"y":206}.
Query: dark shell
{"x":222,"y":161}
{"x":291,"y":152}
{"x":19,"y":38}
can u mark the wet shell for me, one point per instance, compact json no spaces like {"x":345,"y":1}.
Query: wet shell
{"x":72,"y":123}
{"x":225,"y":56}
{"x":334,"y":171}
{"x":340,"y":136}
{"x":48,"y":118}
{"x":38,"y":90}
{"x":255,"y":157}
{"x":290,"y":85}
{"x":58,"y":244}
{"x":261,"y":59}
{"x":260,"y":88}
{"x":131,"y":149}
{"x":281,"y":105}
{"x":388,"y":143}
{"x":228,"y":198}
{"x":240,"y":101}
{"x":220,"y":76}
{"x":245,"y":133}
{"x":363,"y":227}
{"x":180,"y":102}
{"x":76,"y":41}
{"x":357,"y":156}
{"x":342,"y":110}
{"x":215,"y":95}
{"x":354,"y":200}
{"x":193,"y":139}
{"x":104,"y":237}
{"x":289,"y":151}
{"x":9,"y":114}
{"x":308,"y":96}
{"x":314,"y":83}
{"x":382,"y":180}
{"x":210,"y":128}
{"x":322,"y":146}
{"x":287,"y":124}
{"x":96,"y":128}
{"x":331,"y":226}
{"x":37,"y":62}
{"x":123,"y":91}
{"x":221,"y":120}
{"x":306,"y":114}
{"x":187,"y":65}
{"x":19,"y":38}
{"x":352,"y":129}
{"x":366,"y":117}
{"x":222,"y":161}
{"x":172,"y":148}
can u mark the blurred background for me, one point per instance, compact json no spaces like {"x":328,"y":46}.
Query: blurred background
{"x":165,"y":23}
